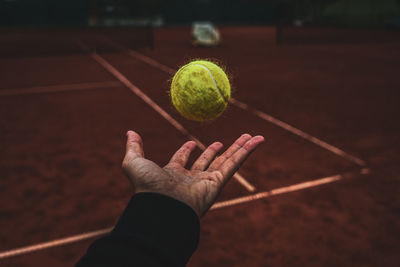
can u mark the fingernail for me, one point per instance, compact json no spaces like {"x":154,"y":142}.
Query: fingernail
{"x":260,"y":137}
{"x":218,"y":145}
{"x":193,"y":144}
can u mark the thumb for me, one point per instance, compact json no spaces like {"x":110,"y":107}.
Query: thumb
{"x":134,"y":146}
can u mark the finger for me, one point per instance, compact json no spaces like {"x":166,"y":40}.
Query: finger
{"x":232,"y":164}
{"x":134,"y":145}
{"x":207,"y":157}
{"x":230,"y":151}
{"x":181,"y":156}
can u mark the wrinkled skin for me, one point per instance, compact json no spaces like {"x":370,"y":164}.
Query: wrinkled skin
{"x":198,"y":186}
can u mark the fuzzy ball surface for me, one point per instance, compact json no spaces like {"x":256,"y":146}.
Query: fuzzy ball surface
{"x":200,"y":90}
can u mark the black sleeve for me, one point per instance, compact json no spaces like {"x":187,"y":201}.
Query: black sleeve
{"x":154,"y":230}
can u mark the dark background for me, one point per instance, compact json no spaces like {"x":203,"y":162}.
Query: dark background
{"x":356,"y":13}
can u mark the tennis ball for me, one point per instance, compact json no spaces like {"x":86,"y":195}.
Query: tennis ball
{"x":200,"y":90}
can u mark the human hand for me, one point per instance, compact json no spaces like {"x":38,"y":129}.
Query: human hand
{"x":198,"y":186}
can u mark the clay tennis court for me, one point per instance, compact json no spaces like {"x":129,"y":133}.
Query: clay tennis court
{"x":323,"y":190}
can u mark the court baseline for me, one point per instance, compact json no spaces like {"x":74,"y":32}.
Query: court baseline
{"x":218,"y":205}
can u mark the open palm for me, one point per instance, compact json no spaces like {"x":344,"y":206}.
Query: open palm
{"x":198,"y":186}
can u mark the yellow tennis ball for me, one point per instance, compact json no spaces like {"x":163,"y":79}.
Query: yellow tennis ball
{"x":200,"y":90}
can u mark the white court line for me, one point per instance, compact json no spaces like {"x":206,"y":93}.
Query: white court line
{"x":298,"y":132}
{"x":157,"y":108}
{"x":58,"y":88}
{"x":256,"y":112}
{"x":142,"y":57}
{"x":278,"y":191}
{"x":283,"y":190}
{"x":218,"y":205}
{"x":54,"y":243}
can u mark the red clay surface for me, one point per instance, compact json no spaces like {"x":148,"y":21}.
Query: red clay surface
{"x":61,"y":152}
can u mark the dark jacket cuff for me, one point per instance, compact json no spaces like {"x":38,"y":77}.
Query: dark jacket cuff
{"x":164,"y":223}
